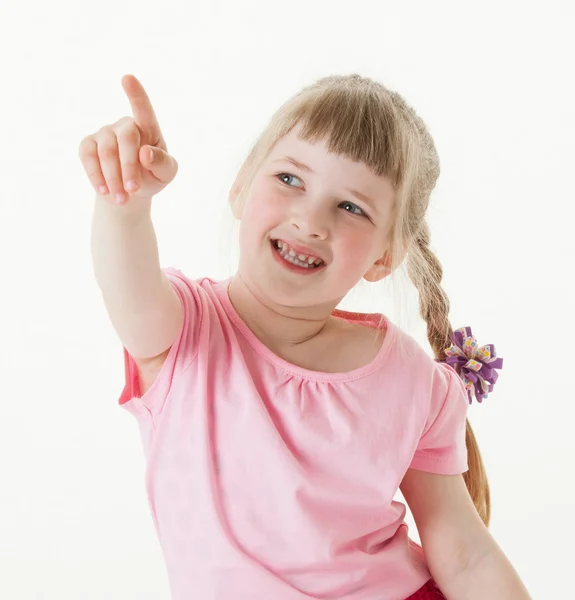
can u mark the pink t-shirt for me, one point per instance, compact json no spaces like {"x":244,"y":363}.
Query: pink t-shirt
{"x":268,"y":481}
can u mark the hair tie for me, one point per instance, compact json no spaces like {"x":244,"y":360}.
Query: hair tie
{"x":475,"y":365}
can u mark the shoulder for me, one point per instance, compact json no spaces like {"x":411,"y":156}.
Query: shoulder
{"x":196,"y":294}
{"x":178,"y":277}
{"x":414,"y":357}
{"x":426,"y":385}
{"x":197,"y":297}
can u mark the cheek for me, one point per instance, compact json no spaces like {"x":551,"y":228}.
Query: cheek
{"x":262,"y":212}
{"x":354,"y":250}
{"x":356,"y":245}
{"x":263,"y":208}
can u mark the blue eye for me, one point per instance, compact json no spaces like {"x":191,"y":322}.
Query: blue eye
{"x":283,"y":176}
{"x":357,"y":207}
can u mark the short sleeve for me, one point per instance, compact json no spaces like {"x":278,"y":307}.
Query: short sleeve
{"x":182,"y":352}
{"x":442,"y":448}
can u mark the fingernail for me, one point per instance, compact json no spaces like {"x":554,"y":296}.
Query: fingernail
{"x":151,"y":155}
{"x":103,"y":190}
{"x":131,"y":184}
{"x":120,"y":198}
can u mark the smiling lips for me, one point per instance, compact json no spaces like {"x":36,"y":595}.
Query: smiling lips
{"x":296,"y":255}
{"x":297,"y":249}
{"x":292,"y":261}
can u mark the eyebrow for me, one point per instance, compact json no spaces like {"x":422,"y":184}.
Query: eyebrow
{"x":308,"y":169}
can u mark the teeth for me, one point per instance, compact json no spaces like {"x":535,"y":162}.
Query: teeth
{"x":298,"y":259}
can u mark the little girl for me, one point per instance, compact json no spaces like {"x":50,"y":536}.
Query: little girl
{"x":276,"y":427}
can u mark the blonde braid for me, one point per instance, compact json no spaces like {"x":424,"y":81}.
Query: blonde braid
{"x":425,"y":272}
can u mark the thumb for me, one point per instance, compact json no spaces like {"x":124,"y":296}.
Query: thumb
{"x":163,"y":166}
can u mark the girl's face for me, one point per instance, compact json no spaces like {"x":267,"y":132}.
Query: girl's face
{"x":335,"y":208}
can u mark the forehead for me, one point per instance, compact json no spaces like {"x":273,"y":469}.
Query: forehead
{"x":341,"y":171}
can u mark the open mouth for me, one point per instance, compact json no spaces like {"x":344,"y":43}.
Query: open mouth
{"x":301,"y":261}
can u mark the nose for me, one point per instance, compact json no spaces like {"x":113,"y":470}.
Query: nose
{"x":311,"y":222}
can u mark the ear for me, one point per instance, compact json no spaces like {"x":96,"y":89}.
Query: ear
{"x":233,"y":197}
{"x":381,"y":267}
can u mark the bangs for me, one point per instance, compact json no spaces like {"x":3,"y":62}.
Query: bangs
{"x":357,"y":123}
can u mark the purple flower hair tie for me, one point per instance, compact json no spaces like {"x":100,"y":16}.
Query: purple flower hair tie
{"x":475,"y":365}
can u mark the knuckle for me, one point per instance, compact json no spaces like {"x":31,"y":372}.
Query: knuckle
{"x":126,"y":124}
{"x":107,"y":143}
{"x":104,"y":132}
{"x":96,"y":178}
{"x":87,"y":147}
{"x":107,"y":150}
{"x":114,"y":179}
{"x":129,"y":172}
{"x":128,"y":134}
{"x":118,"y":125}
{"x":125,"y":119}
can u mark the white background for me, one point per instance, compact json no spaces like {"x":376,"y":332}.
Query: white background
{"x":494,"y":83}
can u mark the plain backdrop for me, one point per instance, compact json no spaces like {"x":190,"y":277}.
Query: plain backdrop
{"x":494,"y":83}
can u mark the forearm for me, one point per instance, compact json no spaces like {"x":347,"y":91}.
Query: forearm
{"x":491,"y":577}
{"x":127,"y":266}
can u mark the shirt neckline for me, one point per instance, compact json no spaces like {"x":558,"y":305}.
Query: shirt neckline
{"x":371,"y":319}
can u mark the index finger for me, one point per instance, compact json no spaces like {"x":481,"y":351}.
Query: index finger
{"x":144,"y":115}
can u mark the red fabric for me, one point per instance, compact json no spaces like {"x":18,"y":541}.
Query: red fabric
{"x":430,"y":591}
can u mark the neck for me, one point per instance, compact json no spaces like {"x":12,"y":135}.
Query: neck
{"x":277,"y":325}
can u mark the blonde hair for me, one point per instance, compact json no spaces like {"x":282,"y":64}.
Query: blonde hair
{"x":364,"y":121}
